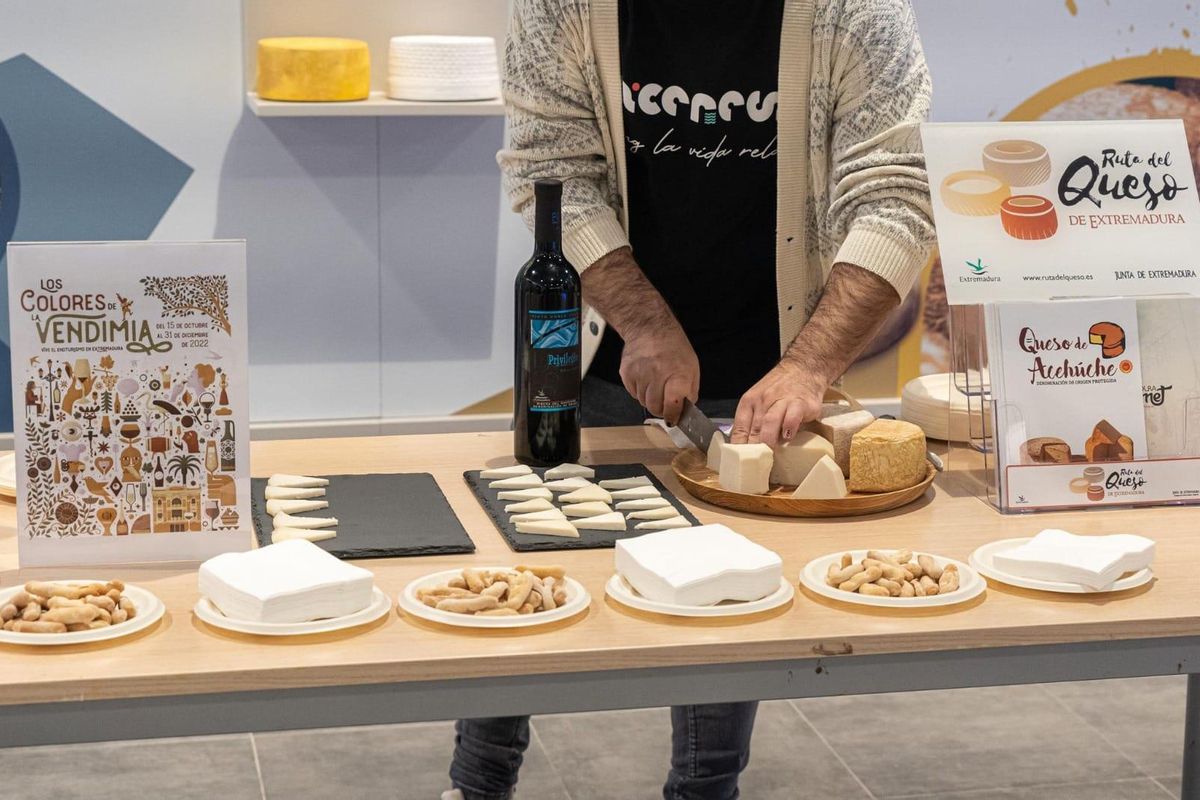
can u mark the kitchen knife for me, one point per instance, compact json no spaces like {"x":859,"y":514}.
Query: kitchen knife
{"x":698,"y":428}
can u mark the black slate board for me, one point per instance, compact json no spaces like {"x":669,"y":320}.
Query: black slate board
{"x":588,"y":540}
{"x":379,"y":516}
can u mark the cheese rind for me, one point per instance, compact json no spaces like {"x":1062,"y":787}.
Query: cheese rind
{"x":529,"y":506}
{"x":549,"y":527}
{"x":601,"y":522}
{"x":591,"y":509}
{"x":824,"y":482}
{"x":529,"y":481}
{"x":795,"y":459}
{"x":568,"y":471}
{"x":526,"y":494}
{"x":839,"y":431}
{"x":499,"y":473}
{"x":296,"y":481}
{"x":626,"y":483}
{"x":588,"y":494}
{"x":294,"y":506}
{"x":285,"y":493}
{"x":313,"y":69}
{"x":663,"y":524}
{"x":746,"y":468}
{"x":886,"y":456}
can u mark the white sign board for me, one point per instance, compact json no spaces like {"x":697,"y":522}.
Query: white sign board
{"x":130,"y":398}
{"x":1045,"y":210}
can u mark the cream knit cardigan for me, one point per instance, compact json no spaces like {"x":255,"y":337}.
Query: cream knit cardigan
{"x":852,"y":186}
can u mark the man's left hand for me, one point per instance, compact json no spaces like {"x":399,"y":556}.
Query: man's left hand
{"x":773,"y":410}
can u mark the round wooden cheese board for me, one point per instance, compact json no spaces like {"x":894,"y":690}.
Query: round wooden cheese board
{"x":691,"y":467}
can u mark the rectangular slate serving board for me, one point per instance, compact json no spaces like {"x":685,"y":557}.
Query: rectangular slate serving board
{"x":379,"y":516}
{"x":588,"y":540}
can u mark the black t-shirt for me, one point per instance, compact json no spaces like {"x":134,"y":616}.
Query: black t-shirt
{"x":699,"y":83}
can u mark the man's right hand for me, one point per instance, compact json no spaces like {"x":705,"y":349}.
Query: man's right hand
{"x":660,"y":369}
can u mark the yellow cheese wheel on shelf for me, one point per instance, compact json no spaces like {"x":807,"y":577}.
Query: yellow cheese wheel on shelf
{"x":313,"y":69}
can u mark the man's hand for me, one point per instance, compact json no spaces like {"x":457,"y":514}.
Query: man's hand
{"x":852,"y":309}
{"x":658,"y":367}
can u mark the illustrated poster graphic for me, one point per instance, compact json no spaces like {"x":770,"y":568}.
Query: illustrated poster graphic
{"x":131,"y":401}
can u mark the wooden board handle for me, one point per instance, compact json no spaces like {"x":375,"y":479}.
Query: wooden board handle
{"x":836,"y":394}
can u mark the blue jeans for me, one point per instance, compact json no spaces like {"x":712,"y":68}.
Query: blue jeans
{"x":710,"y":746}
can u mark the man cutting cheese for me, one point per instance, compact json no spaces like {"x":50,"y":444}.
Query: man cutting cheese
{"x":746,"y":199}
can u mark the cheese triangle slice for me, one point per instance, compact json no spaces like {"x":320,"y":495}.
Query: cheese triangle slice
{"x":636,"y":493}
{"x":569,"y":471}
{"x":602,"y":522}
{"x":663,"y":524}
{"x":285,"y":493}
{"x":588,"y":494}
{"x":549,"y":527}
{"x":644,"y":503}
{"x":296,"y":481}
{"x":505,"y":472}
{"x":538,"y":516}
{"x":294,"y":506}
{"x":662,"y":512}
{"x":283,"y":534}
{"x":586,"y":509}
{"x":824,"y":482}
{"x":519,"y":482}
{"x":568,"y":484}
{"x":288,"y":521}
{"x":715,"y":448}
{"x":529,"y":506}
{"x":525,"y":494}
{"x":626,"y":483}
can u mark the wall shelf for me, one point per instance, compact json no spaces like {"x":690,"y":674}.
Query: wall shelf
{"x":377,"y":105}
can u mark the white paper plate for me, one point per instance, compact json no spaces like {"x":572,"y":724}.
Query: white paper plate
{"x":380,"y":605}
{"x":578,"y":600}
{"x":982,"y":561}
{"x":971,"y":584}
{"x":149,"y":611}
{"x":619,"y":589}
{"x":8,"y":477}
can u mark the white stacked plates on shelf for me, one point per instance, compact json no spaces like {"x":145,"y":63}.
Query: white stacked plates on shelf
{"x":443,"y":68}
{"x":936,"y":406}
{"x":983,"y":560}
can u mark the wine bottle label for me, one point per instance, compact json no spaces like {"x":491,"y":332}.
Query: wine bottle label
{"x":554,"y":368}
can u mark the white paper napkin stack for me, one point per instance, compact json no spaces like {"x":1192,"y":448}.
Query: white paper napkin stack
{"x":443,"y":68}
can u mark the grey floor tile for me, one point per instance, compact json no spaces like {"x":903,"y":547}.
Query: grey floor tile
{"x":954,"y":741}
{"x":397,"y":762}
{"x":1142,"y":717}
{"x":183,"y":769}
{"x":1172,"y":784}
{"x":1144,"y":789}
{"x":625,"y":755}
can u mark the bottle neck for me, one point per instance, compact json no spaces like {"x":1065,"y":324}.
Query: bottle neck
{"x":547,"y":231}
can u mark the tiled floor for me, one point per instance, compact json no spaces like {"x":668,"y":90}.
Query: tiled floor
{"x":1107,"y":740}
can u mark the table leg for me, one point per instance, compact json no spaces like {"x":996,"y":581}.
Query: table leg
{"x":1190,"y":789}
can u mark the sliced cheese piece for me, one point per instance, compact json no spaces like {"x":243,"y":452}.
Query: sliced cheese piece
{"x":536,"y":516}
{"x":569,"y":471}
{"x":568,"y":484}
{"x":746,"y":468}
{"x":284,"y":493}
{"x":519,"y":482}
{"x":526,"y":494}
{"x":586,"y":509}
{"x":288,"y":521}
{"x":794,"y":460}
{"x":838,"y":430}
{"x":529,"y":506}
{"x":313,"y":68}
{"x":886,"y":456}
{"x":499,"y":473}
{"x":549,"y":527}
{"x":824,"y":482}
{"x":601,"y":522}
{"x":626,"y":483}
{"x":663,"y":524}
{"x":283,"y":534}
{"x":588,"y":494}
{"x":294,"y":506}
{"x":715,"y":448}
{"x":644,"y":503}
{"x":663,"y":512}
{"x":296,"y":481}
{"x":636,"y":493}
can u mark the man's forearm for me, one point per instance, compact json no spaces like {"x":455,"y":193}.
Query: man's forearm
{"x":853,"y":308}
{"x":617,"y":288}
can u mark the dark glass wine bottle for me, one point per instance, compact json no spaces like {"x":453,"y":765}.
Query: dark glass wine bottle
{"x":547,"y":375}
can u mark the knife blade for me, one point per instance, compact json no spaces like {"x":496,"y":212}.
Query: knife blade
{"x":697,"y":427}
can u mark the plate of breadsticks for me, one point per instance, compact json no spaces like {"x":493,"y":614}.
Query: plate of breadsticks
{"x":496,"y":597}
{"x":75,"y":611}
{"x":892,"y":579}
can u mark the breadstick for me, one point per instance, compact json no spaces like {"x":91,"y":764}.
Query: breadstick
{"x":52,"y":590}
{"x":914,"y":568}
{"x":119,"y":616}
{"x":465,"y":605}
{"x":893,"y":587}
{"x":101,"y":601}
{"x":21,"y":599}
{"x":874,"y":590}
{"x":474,"y":580}
{"x":115,"y":584}
{"x":69,"y":614}
{"x":497,"y":612}
{"x":8,"y":626}
{"x":906,"y":589}
{"x":892,"y":573}
{"x":63,"y":602}
{"x":552,"y":571}
{"x":8,"y":612}
{"x":457,"y":582}
{"x":525,"y":609}
{"x":949,"y":580}
{"x":844,"y":574}
{"x":91,"y":588}
{"x":902,"y":557}
{"x":97,"y":623}
{"x":38,"y":627}
{"x":548,"y":602}
{"x":560,"y":596}
{"x":930,"y":566}
{"x":103,"y":616}
{"x":114,"y":594}
{"x":847,"y":560}
{"x":75,"y":627}
{"x":869,"y":575}
{"x":879,"y":555}
{"x":31,"y":612}
{"x":496,"y":590}
{"x":929,"y":585}
{"x":918,"y":589}
{"x":535,"y":600}
{"x":518,"y":590}
{"x":127,"y":606}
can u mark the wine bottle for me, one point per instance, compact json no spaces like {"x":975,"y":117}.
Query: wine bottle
{"x":548,"y":317}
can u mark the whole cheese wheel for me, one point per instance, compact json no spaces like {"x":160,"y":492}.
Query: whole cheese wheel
{"x":886,"y":456}
{"x":313,"y":69}
{"x":974,"y":193}
{"x":1029,"y":217}
{"x":1110,"y":336}
{"x":1017,"y":162}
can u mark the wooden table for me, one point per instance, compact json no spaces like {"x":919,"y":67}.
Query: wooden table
{"x":183,"y":678}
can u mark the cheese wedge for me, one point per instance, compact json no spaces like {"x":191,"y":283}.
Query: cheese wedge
{"x":519,"y":482}
{"x":284,"y":493}
{"x":588,"y":494}
{"x":715,"y":448}
{"x":839,"y":430}
{"x":568,"y":484}
{"x":549,"y":527}
{"x":288,"y":521}
{"x":794,"y":460}
{"x":294,"y":506}
{"x":636,"y":493}
{"x":825,"y":481}
{"x":499,"y":473}
{"x":644,"y":503}
{"x":746,"y":468}
{"x":283,"y":534}
{"x":586,"y":509}
{"x":526,"y":494}
{"x":537,"y":516}
{"x":601,"y":522}
{"x":529,"y":506}
{"x":663,"y":524}
{"x":296,"y":481}
{"x":569,"y":471}
{"x":626,"y":483}
{"x":664,"y":512}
